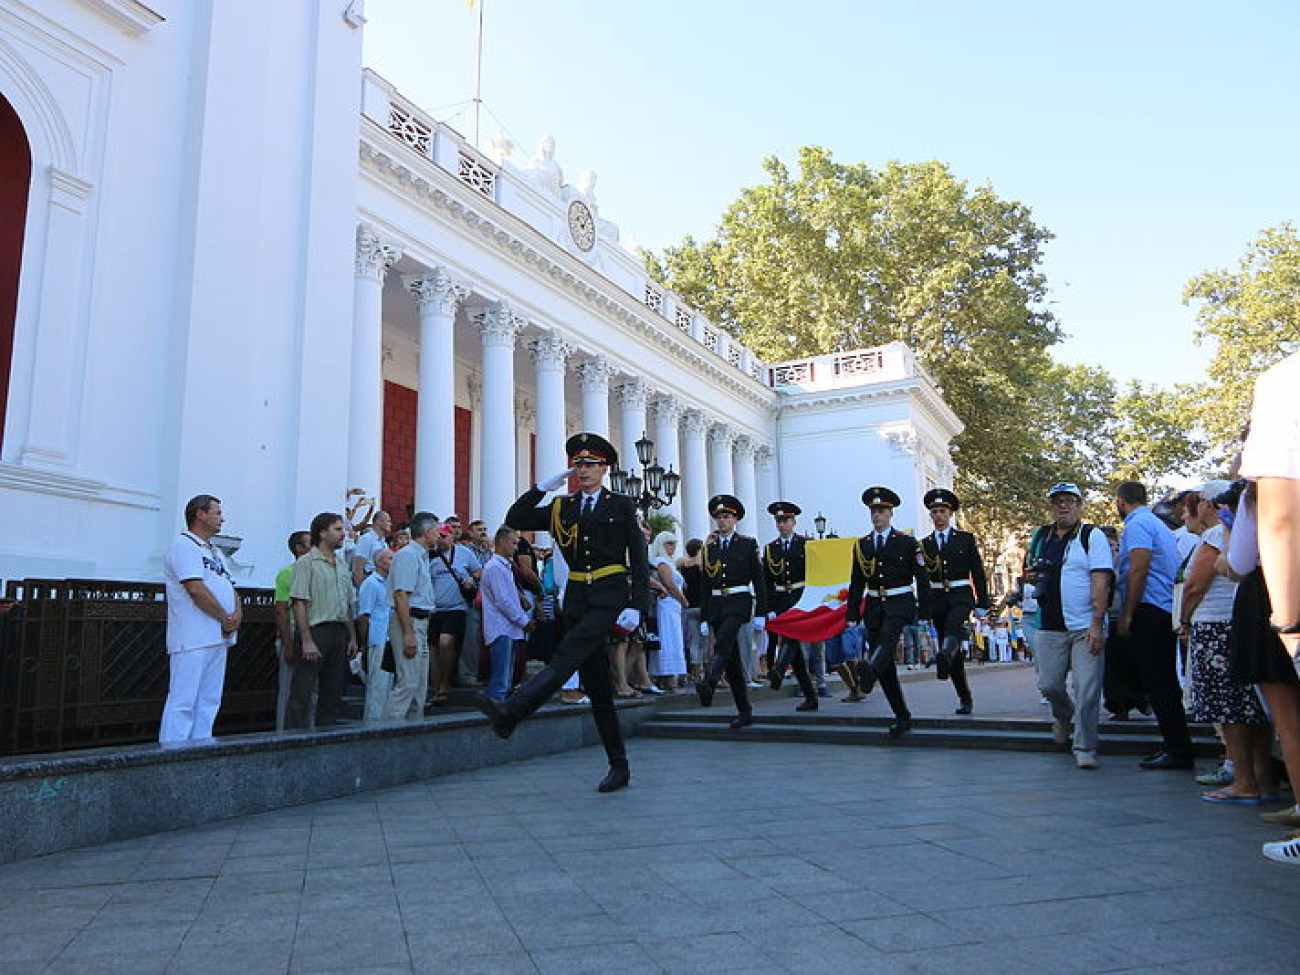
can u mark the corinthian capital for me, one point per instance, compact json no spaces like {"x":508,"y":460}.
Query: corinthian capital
{"x":696,"y":424}
{"x":763,"y":455}
{"x":436,"y":291}
{"x":549,"y":351}
{"x":745,"y":449}
{"x":722,"y":436}
{"x":633,"y":394}
{"x":594,"y":375}
{"x":665,"y":411}
{"x":375,"y":254}
{"x":499,"y":326}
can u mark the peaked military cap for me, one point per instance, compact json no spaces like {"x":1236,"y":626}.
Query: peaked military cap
{"x":723,"y":504}
{"x":783,"y":509}
{"x":589,"y":447}
{"x":874,"y":497}
{"x":941,"y":496}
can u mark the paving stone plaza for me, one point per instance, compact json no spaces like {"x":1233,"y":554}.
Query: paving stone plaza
{"x":723,"y":856}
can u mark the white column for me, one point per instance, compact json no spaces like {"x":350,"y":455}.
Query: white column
{"x":549,"y":353}
{"x":695,"y":473}
{"x":664,"y":414}
{"x":593,"y":378}
{"x":498,"y":327}
{"x":366,"y":415}
{"x":765,"y":473}
{"x":475,"y":385}
{"x":525,"y":417}
{"x":437,"y":294}
{"x":632,"y":397}
{"x":746,"y":486}
{"x":721,"y":439}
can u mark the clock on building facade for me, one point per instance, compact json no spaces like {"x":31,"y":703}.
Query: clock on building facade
{"x":582,"y":225}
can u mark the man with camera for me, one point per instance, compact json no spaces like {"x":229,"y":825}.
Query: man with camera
{"x":1070,"y":569}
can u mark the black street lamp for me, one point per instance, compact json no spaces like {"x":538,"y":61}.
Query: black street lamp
{"x":820,"y":523}
{"x":645,"y":488}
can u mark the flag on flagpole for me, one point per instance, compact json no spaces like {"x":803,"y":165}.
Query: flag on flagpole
{"x":819,"y":613}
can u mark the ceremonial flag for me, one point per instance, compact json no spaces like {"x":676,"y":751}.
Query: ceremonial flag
{"x":819,"y":614}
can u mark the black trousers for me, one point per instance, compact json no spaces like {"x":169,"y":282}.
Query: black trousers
{"x":326,"y":676}
{"x":790,"y":653}
{"x":1154,"y":648}
{"x":726,"y":655}
{"x":884,"y":620}
{"x":950,"y":610}
{"x":584,"y":650}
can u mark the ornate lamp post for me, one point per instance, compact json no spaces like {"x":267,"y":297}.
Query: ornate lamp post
{"x":820,"y":523}
{"x":645,"y":488}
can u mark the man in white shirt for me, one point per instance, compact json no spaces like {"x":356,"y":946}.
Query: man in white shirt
{"x":1070,"y":567}
{"x":203,"y":619}
{"x":374,"y":539}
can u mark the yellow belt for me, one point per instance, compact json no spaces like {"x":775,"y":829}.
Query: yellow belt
{"x":603,"y":572}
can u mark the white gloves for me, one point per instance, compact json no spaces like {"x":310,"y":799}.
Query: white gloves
{"x":771,"y":616}
{"x":981,"y":613}
{"x":704,"y":629}
{"x":555,"y":481}
{"x":629,"y":619}
{"x":758,"y":624}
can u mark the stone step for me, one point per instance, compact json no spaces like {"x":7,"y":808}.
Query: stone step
{"x":932,"y":732}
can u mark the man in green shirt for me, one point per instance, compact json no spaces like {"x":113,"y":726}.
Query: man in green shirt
{"x":299,"y":543}
{"x":324,"y":603}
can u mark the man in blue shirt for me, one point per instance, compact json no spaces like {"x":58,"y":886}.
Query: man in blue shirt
{"x":1148,"y":561}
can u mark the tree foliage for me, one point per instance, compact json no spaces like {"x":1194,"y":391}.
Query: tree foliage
{"x":1250,"y":315}
{"x":838,"y":257}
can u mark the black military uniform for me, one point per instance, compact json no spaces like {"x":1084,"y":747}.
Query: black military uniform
{"x":958,"y":586}
{"x":730,"y":566}
{"x":784,"y":561}
{"x":885,"y":572}
{"x":608,"y":572}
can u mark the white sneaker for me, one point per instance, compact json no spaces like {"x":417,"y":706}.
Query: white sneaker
{"x":1284,"y":851}
{"x":1060,"y":732}
{"x":1086,"y":759}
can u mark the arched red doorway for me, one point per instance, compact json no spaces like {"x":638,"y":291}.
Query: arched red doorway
{"x":15,"y":181}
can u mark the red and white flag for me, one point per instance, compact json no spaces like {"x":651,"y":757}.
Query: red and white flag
{"x":819,"y":613}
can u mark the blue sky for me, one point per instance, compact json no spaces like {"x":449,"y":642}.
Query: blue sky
{"x":1154,"y":139}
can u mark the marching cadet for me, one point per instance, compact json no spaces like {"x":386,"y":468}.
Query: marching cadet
{"x":886,"y":563}
{"x":596,"y":530}
{"x":958,"y":587}
{"x":784,"y":562}
{"x":732,"y":591}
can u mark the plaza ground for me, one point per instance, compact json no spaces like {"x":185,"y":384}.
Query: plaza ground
{"x":722,"y":856}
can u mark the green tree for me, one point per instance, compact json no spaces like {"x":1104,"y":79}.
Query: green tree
{"x":845,"y":256}
{"x":1250,"y":314}
{"x":1155,"y":436}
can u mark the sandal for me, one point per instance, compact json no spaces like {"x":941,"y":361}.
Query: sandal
{"x":1220,"y":795}
{"x":629,"y":695}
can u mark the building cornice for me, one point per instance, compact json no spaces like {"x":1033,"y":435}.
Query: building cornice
{"x":36,"y":481}
{"x":129,"y":16}
{"x":421,"y":180}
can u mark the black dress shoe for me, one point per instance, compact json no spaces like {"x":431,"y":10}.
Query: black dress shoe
{"x":900,"y":728}
{"x":501,"y":721}
{"x":963,"y":708}
{"x":1165,"y":761}
{"x":741,"y":720}
{"x":941,"y":666}
{"x":617,"y":778}
{"x":866,"y":678}
{"x":705,"y":692}
{"x":809,"y":704}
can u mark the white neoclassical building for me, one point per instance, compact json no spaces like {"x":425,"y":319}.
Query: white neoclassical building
{"x":234,"y":261}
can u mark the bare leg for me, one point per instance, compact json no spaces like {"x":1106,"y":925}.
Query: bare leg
{"x":1284,"y":702}
{"x":850,"y":681}
{"x":618,"y":656}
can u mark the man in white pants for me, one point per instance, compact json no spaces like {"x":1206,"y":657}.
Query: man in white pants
{"x":203,"y":618}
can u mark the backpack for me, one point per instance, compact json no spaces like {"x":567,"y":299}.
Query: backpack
{"x":1040,"y":536}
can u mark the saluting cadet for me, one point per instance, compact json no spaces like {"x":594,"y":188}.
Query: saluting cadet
{"x":784,"y":562}
{"x":886,"y":564}
{"x":958,"y":587}
{"x":609,"y":585}
{"x":732,"y":591}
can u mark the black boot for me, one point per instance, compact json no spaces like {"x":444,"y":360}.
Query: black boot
{"x":505,"y":716}
{"x":617,"y":778}
{"x":941,"y":665}
{"x":809,"y":704}
{"x":866,"y":678}
{"x":501,"y":720}
{"x":705,"y":692}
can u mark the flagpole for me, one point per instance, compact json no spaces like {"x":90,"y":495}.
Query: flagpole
{"x":478,"y":72}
